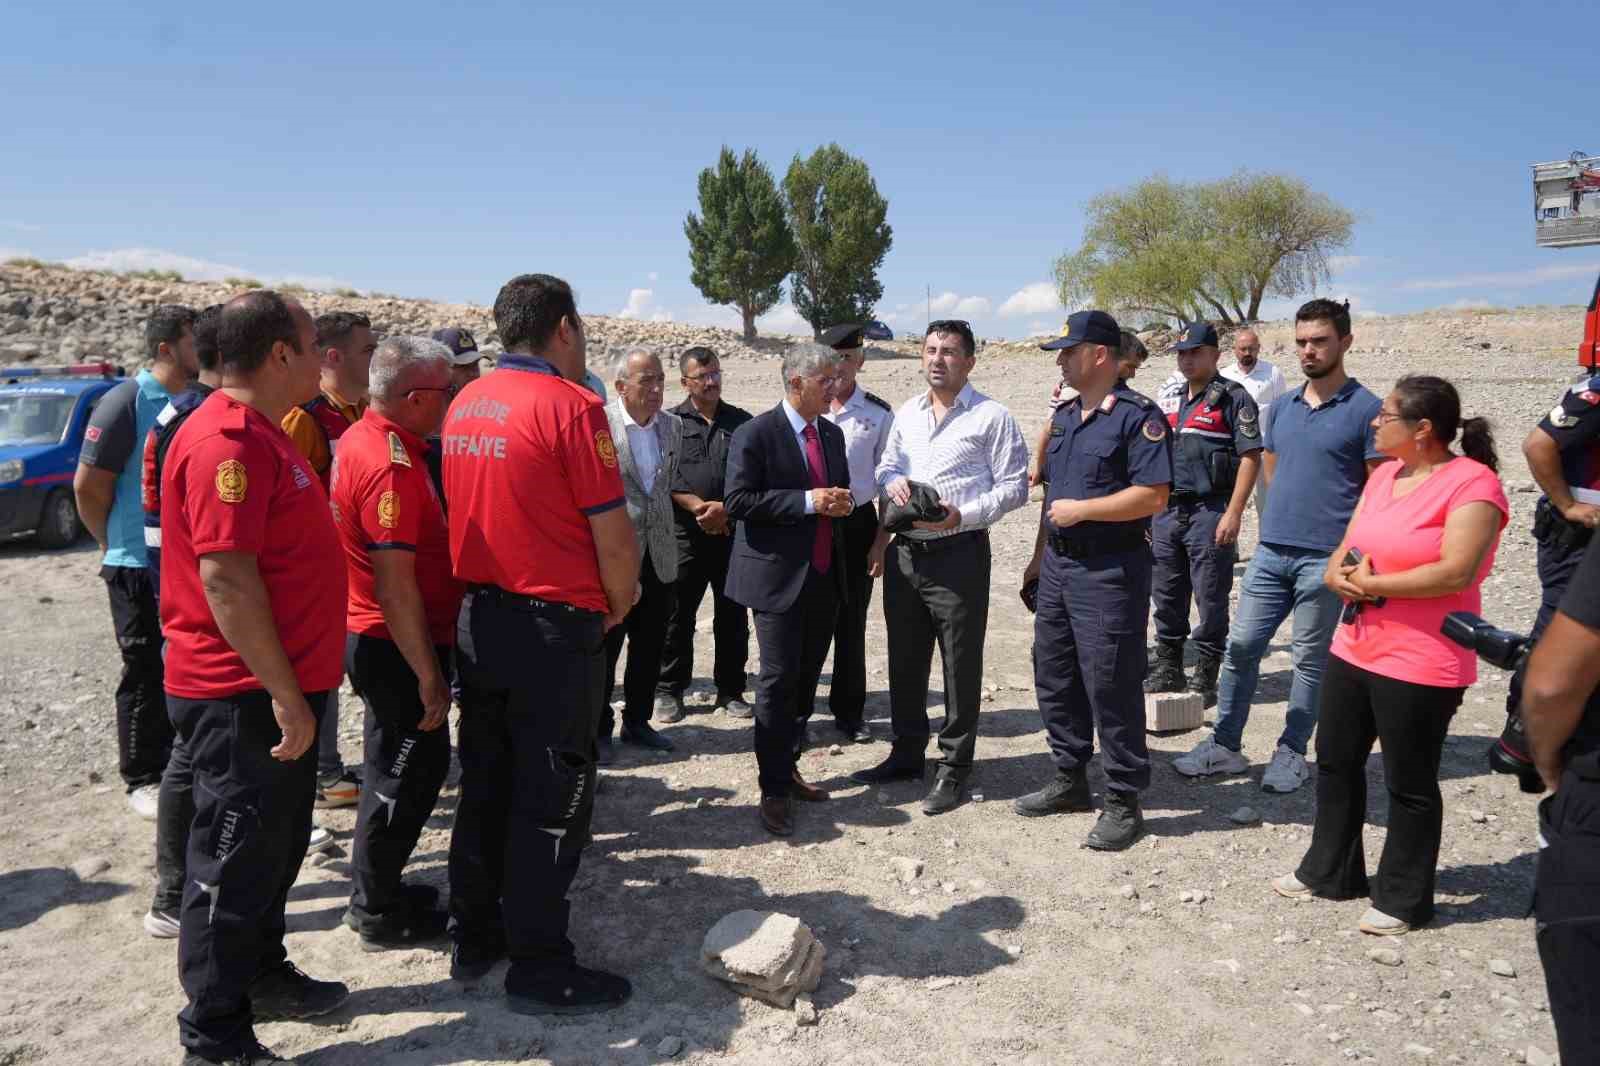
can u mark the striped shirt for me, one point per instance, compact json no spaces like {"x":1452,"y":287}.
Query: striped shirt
{"x":975,"y":459}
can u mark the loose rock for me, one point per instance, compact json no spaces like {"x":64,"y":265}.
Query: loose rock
{"x":87,"y":867}
{"x":905,"y":868}
{"x":1502,"y":968}
{"x":767,"y":956}
{"x":1245,"y":816}
{"x":669,"y":1046}
{"x":1385,"y":956}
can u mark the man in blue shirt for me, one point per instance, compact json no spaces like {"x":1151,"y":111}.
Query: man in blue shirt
{"x":107,"y":486}
{"x":1319,"y":449}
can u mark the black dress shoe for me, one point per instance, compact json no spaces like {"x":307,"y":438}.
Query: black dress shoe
{"x":285,"y":993}
{"x":1119,"y":825}
{"x":890,"y":769}
{"x":570,"y":990}
{"x":645,"y":737}
{"x":857,"y":734}
{"x":945,"y":795}
{"x":776,"y":816}
{"x":406,"y":928}
{"x":472,"y":958}
{"x":801,"y":790}
{"x":1064,"y":794}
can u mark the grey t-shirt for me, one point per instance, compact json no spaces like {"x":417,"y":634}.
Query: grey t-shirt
{"x":109,"y":439}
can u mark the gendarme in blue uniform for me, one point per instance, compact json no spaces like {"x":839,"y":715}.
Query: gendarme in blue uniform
{"x":1211,"y":433}
{"x":1094,"y":587}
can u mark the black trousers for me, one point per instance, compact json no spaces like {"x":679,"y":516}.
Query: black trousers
{"x":793,"y":645}
{"x":402,"y":770}
{"x":936,"y":592}
{"x":530,"y":700}
{"x":174,"y":814}
{"x":1555,"y":568}
{"x":1567,"y":906}
{"x":702,"y":562}
{"x":847,"y":694}
{"x":645,"y":630}
{"x":252,"y":819}
{"x":144,"y":732}
{"x":1190,"y":563}
{"x":1357,"y":707}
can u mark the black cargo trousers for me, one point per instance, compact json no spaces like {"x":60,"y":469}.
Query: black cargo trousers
{"x":402,"y":770}
{"x":1567,"y":907}
{"x":531,"y":674}
{"x":252,"y":821}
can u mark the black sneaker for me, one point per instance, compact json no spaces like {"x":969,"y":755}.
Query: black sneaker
{"x":1119,"y":825}
{"x":575,"y":990}
{"x":286,"y":993}
{"x":254,"y":1055}
{"x":645,"y":737}
{"x":471,"y":960}
{"x":1064,"y":794}
{"x":406,"y":928}
{"x":891,"y":769}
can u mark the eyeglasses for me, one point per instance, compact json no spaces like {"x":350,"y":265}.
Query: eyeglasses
{"x":707,"y":375}
{"x":1385,"y":417}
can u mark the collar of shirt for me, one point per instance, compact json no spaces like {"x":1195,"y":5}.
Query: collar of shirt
{"x":351,"y":411}
{"x":1345,"y":391}
{"x":964,"y":399}
{"x":532,"y":363}
{"x":796,"y":423}
{"x":149,"y":387}
{"x":414,"y":444}
{"x":628,"y":419}
{"x":1261,"y":371}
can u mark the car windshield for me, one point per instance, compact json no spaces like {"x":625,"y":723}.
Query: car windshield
{"x":33,"y":418}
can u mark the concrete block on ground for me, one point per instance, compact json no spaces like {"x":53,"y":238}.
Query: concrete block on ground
{"x":767,"y":956}
{"x":1169,"y":712}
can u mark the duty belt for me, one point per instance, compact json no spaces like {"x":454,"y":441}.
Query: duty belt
{"x":520,"y":602}
{"x":1088,"y":549}
{"x":939,"y":544}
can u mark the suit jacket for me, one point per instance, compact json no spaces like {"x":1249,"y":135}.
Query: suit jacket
{"x":651,"y":512}
{"x":773,"y":539}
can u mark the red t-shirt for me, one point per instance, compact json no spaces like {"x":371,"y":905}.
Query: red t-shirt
{"x":233,"y":482}
{"x":1401,"y":639}
{"x":528,"y":457}
{"x":384,"y":500}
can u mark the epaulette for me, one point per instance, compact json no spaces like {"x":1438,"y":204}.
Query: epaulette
{"x":1135,"y":397}
{"x":879,"y":400}
{"x":397,"y":450}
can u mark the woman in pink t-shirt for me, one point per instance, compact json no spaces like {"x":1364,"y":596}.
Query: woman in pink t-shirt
{"x":1426,"y":527}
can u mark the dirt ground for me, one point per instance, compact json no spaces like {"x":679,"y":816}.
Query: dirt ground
{"x":1014,"y":946}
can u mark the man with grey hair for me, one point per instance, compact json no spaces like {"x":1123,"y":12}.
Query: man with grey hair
{"x":967,"y":447}
{"x":788,"y":483}
{"x":401,"y":623}
{"x":647,"y":441}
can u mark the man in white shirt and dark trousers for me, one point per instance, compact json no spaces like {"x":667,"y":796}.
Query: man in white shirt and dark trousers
{"x":1263,"y":381}
{"x":865,"y":420}
{"x":968,"y":448}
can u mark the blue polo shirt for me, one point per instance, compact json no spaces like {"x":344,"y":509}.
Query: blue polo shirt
{"x":1322,"y":455}
{"x":114,"y":441}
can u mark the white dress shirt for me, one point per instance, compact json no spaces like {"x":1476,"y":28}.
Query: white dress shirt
{"x":866,"y":427}
{"x":799,"y":425}
{"x":975,"y":459}
{"x":1265,"y":384}
{"x":645,"y":448}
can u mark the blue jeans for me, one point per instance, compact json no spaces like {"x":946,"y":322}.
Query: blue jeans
{"x":1279,"y":581}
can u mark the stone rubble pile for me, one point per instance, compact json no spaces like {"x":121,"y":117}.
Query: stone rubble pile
{"x":765,"y":955}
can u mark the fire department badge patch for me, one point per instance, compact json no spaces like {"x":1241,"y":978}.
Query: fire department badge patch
{"x":388,"y":509}
{"x":232,"y":481}
{"x":605,"y":449}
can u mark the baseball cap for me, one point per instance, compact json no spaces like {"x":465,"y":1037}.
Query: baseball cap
{"x":1086,"y":327}
{"x":1197,"y":335}
{"x":463,"y":349}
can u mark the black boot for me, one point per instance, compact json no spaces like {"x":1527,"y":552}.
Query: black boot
{"x":1120,"y":823}
{"x":1065,"y":793}
{"x":1166,"y":673}
{"x":1204,"y":679}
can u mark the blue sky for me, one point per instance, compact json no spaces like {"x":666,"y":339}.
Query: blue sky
{"x":436,"y":150}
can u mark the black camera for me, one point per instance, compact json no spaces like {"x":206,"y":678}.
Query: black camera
{"x":1508,"y":651}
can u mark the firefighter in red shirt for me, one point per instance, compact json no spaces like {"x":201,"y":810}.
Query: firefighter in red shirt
{"x":252,"y":606}
{"x":540,"y":535}
{"x":401,"y":622}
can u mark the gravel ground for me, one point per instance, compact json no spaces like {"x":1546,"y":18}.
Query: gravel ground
{"x":1013,"y":946}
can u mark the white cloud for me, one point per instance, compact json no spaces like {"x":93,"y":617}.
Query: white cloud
{"x":1036,"y":299}
{"x":1469,"y":303}
{"x":948,"y":303}
{"x":1039,"y":329}
{"x":121,"y":260}
{"x":642,"y":305}
{"x":784,"y":319}
{"x":1512,"y":278}
{"x":1337,"y":263}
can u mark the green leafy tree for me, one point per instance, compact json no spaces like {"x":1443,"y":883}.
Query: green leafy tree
{"x":837,"y":217}
{"x":740,"y":247}
{"x":1204,"y":250}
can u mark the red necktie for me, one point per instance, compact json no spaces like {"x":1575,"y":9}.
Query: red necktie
{"x":822,"y":547}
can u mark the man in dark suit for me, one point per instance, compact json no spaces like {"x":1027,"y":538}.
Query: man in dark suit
{"x":788,"y":482}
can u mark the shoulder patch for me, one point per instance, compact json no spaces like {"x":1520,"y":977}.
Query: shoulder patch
{"x":878,"y":400}
{"x":1109,"y":402}
{"x":1154,"y":429}
{"x":232,"y":481}
{"x":397,"y":451}
{"x":605,"y":448}
{"x":388,"y":509}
